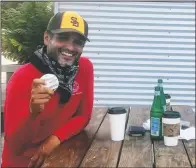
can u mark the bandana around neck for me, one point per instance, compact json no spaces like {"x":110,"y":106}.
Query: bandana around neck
{"x":65,"y":75}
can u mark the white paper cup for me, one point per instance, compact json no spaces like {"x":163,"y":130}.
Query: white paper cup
{"x":117,"y":120}
{"x":171,"y":127}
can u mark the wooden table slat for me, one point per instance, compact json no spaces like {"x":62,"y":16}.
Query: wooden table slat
{"x":173,"y":156}
{"x":137,"y":151}
{"x":170,"y":156}
{"x":190,"y":147}
{"x":71,"y":152}
{"x":103,"y":151}
{"x":187,"y":114}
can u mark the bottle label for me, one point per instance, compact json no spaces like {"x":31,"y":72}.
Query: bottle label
{"x":168,"y":107}
{"x":155,"y":126}
{"x":167,"y":101}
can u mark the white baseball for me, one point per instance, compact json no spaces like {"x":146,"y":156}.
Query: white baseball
{"x":51,"y":81}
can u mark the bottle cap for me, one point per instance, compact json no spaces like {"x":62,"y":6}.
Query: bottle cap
{"x":167,"y":96}
{"x":51,"y":81}
{"x":160,"y":81}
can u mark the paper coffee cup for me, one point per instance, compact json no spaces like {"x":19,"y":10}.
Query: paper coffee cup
{"x":117,"y":120}
{"x":171,"y":127}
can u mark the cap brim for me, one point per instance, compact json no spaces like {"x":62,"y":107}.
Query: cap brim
{"x":69,"y":30}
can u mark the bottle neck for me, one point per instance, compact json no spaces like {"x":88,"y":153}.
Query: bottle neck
{"x":160,"y":84}
{"x":156,"y":105}
{"x":157,"y":93}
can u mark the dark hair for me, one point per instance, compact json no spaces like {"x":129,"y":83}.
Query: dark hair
{"x":50,"y":33}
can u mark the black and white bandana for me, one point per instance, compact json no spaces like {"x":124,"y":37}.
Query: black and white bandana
{"x":65,"y":75}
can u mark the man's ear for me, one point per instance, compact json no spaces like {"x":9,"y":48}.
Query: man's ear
{"x":46,"y":38}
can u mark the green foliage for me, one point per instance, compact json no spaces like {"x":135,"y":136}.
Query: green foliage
{"x":23,"y":26}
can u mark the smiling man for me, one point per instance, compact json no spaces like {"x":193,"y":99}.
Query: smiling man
{"x":38,"y":119}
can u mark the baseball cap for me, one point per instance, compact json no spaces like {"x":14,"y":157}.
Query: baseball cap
{"x":68,"y":21}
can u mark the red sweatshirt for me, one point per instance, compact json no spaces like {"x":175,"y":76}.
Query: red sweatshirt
{"x":22,"y":135}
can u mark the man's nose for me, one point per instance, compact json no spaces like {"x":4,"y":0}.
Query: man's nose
{"x":69,"y":45}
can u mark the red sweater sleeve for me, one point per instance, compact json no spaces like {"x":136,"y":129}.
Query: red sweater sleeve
{"x":83,"y":115}
{"x":18,"y":124}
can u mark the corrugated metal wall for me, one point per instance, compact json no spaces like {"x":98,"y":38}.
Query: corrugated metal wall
{"x":135,"y":43}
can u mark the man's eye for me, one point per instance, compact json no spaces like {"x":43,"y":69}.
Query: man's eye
{"x":79,"y":42}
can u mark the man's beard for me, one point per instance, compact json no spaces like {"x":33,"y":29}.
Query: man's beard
{"x":55,"y":54}
{"x":63,"y":62}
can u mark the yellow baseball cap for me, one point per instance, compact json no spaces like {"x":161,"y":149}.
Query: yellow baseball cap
{"x":68,"y":21}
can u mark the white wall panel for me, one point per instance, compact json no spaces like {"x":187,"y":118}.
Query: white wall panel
{"x":135,"y":43}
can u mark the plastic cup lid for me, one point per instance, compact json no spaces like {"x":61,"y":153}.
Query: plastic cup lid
{"x":116,"y":110}
{"x":51,"y":81}
{"x":171,"y":114}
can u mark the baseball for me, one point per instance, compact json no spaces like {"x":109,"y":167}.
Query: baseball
{"x":51,"y":81}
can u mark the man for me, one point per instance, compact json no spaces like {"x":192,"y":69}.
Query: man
{"x":38,"y":119}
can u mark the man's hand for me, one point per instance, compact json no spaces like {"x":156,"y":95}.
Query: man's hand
{"x":40,"y":95}
{"x":44,"y":151}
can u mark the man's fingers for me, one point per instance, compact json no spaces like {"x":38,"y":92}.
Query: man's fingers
{"x":37,"y":82}
{"x":33,"y":161}
{"x":41,"y":96}
{"x":39,"y":162}
{"x":42,"y":90}
{"x":49,"y":90}
{"x":40,"y":101}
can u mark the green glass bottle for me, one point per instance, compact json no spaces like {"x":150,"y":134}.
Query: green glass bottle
{"x":156,"y":114}
{"x":163,"y":100}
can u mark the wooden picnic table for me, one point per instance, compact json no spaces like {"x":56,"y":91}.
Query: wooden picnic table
{"x":94,"y":148}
